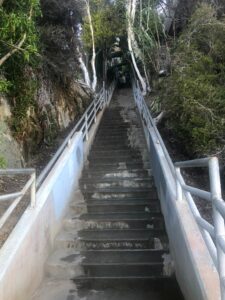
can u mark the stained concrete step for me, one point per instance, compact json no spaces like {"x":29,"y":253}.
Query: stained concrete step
{"x":119,"y":193}
{"x":109,"y":153}
{"x":115,"y":161}
{"x":109,"y":239}
{"x":132,"y":288}
{"x":115,"y":221}
{"x":93,"y":180}
{"x":119,"y":234}
{"x":94,"y":288}
{"x":123,"y":269}
{"x":117,"y":184}
{"x":102,"y":174}
{"x":115,"y":158}
{"x":67,"y":264}
{"x":126,"y":256}
{"x":120,"y":208}
{"x":118,"y":165}
{"x":64,"y":264}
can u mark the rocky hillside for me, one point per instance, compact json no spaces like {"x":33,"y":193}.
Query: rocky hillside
{"x":40,"y":81}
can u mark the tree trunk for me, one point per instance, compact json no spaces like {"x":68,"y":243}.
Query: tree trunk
{"x":131,"y":12}
{"x":94,"y":79}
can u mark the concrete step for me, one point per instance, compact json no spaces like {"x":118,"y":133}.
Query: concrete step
{"x":118,"y":165}
{"x":87,"y":185}
{"x":53,"y":289}
{"x":115,"y":161}
{"x":64,"y":264}
{"x":132,"y":288}
{"x":115,"y":158}
{"x":110,"y":239}
{"x":115,"y":221}
{"x":109,"y":153}
{"x":102,"y":174}
{"x":117,"y":234}
{"x":94,"y":180}
{"x":94,"y":288}
{"x":119,"y":193}
{"x":120,"y":208}
{"x":126,"y":256}
{"x":123,"y":269}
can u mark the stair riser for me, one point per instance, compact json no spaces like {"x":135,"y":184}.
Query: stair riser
{"x":117,"y":224}
{"x":123,"y":208}
{"x":119,"y":234}
{"x":123,"y":270}
{"x":137,"y":256}
{"x":79,"y":245}
{"x":117,"y":166}
{"x":114,"y":158}
{"x":105,"y":196}
{"x":116,"y":174}
{"x":124,"y":183}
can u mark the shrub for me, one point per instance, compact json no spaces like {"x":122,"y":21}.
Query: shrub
{"x":195,"y":92}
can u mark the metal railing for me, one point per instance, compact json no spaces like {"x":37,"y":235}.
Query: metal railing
{"x":213,"y":234}
{"x":18,"y":196}
{"x":100,"y":101}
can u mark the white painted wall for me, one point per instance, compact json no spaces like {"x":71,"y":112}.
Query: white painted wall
{"x":23,"y":256}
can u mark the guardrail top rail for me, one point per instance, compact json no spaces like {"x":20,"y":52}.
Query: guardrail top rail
{"x":18,"y":196}
{"x":213,"y":234}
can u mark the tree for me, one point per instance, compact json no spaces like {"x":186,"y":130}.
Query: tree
{"x":103,"y":23}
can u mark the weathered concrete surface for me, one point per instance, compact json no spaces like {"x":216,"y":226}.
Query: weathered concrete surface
{"x":23,"y":256}
{"x":195,"y":270}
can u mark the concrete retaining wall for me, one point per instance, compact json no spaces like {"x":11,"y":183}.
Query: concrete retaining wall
{"x":23,"y":256}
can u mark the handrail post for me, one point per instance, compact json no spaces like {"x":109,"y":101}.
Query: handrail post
{"x":215,"y":187}
{"x":104,"y":94}
{"x":178,"y":185}
{"x":33,"y":191}
{"x":95,"y":112}
{"x":86,"y":127}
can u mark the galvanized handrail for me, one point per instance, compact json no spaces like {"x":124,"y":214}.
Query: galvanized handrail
{"x":18,"y":196}
{"x":213,"y":235}
{"x":101,"y":100}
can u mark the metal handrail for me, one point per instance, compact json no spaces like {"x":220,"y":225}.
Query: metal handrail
{"x":213,"y":235}
{"x":18,"y":196}
{"x":99,"y":102}
{"x":217,"y":230}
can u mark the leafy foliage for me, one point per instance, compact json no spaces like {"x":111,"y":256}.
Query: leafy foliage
{"x":194,"y":94}
{"x":3,"y":162}
{"x":108,"y":22}
{"x":150,"y":33}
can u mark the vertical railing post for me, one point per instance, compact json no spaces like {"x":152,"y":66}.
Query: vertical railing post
{"x":95,"y":112}
{"x":33,"y":191}
{"x":215,"y":187}
{"x":86,"y":127}
{"x":104,"y":94}
{"x":178,"y":185}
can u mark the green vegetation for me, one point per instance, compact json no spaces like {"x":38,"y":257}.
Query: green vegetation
{"x":194,"y":94}
{"x":3,"y":162}
{"x":19,"y":48}
{"x":108,"y":22}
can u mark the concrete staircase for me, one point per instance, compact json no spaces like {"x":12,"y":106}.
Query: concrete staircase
{"x":113,"y":244}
